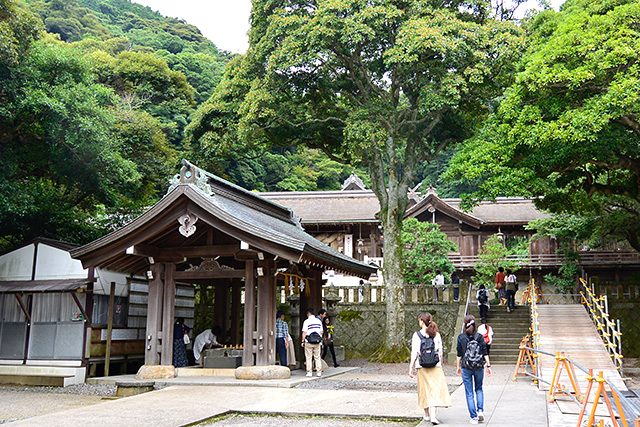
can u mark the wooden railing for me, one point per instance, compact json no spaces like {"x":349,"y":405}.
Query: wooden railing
{"x":617,"y":291}
{"x":598,"y":309}
{"x":414,"y":294}
{"x":586,"y":258}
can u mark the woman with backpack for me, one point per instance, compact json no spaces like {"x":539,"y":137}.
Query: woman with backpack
{"x":426,"y":356}
{"x":472,"y":355}
{"x":483,"y":301}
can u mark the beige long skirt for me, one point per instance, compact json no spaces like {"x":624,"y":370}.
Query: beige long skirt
{"x":432,"y":388}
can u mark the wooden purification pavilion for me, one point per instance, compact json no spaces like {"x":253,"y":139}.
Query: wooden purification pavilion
{"x":206,"y":230}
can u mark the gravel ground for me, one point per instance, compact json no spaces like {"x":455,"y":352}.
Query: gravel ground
{"x":258,"y":420}
{"x":21,"y":402}
{"x":399,"y":379}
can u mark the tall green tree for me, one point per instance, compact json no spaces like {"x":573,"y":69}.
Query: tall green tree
{"x":491,"y":256}
{"x":426,"y":250}
{"x":569,"y":128}
{"x":384,"y":83}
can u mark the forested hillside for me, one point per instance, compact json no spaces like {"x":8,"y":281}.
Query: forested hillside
{"x":94,"y":101}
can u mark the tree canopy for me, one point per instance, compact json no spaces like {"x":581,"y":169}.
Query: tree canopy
{"x":74,"y":159}
{"x":426,"y":250}
{"x":568,"y":131}
{"x":386,"y":84}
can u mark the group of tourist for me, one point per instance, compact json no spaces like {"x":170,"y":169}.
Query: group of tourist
{"x":317,"y":337}
{"x":438,"y":282}
{"x":507,"y":286}
{"x":426,"y":360}
{"x":205,"y":339}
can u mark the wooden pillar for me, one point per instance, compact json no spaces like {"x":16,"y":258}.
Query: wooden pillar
{"x":168,"y":311}
{"x":249,"y":314}
{"x":154,"y":316}
{"x":316,"y":290}
{"x":271,"y":316}
{"x":107,"y":356}
{"x":266,"y":308}
{"x":221,"y":296}
{"x":235,"y":310}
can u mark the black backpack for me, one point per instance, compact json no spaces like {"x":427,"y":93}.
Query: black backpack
{"x":482,"y":296}
{"x":473,"y":358}
{"x":428,"y":355}
{"x":314,"y":338}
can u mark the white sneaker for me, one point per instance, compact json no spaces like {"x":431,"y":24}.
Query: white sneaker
{"x":319,"y":373}
{"x":480,"y":416}
{"x":426,"y":418}
{"x":309,"y":374}
{"x":473,"y":421}
{"x":435,"y":421}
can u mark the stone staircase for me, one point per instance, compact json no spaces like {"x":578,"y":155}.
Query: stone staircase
{"x":508,"y":329}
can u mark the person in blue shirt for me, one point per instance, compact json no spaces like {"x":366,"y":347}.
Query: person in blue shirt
{"x":282,"y":338}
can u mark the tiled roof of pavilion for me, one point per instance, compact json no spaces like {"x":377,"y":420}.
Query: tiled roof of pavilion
{"x":360,"y":206}
{"x":242,"y":214}
{"x":330,"y":207}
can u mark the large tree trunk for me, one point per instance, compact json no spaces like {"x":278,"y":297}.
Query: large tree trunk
{"x":393,"y":277}
{"x":390,"y":183}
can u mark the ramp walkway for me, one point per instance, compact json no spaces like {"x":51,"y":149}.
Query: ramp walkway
{"x":569,"y":329}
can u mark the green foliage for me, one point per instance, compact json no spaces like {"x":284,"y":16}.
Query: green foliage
{"x":349,"y":315}
{"x":492,"y":255}
{"x":75,"y":164}
{"x":425,"y":251}
{"x":384,"y":84}
{"x":568,"y":129}
{"x":571,"y":232}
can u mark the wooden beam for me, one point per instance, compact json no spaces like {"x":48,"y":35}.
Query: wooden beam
{"x":178,"y":253}
{"x":168,"y":310}
{"x":205,"y":274}
{"x":23,"y":307}
{"x":206,"y":251}
{"x":79,"y":304}
{"x":154,"y":252}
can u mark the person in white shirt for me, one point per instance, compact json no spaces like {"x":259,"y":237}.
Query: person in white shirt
{"x":437,"y":282}
{"x":432,"y":385}
{"x":208,"y":337}
{"x":311,"y":343}
{"x":487,"y":333}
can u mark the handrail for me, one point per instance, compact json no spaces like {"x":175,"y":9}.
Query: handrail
{"x":598,"y":308}
{"x":528,"y":354}
{"x":466,"y":307}
{"x":535,"y":324}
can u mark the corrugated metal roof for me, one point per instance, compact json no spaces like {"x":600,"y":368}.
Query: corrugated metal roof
{"x":37,"y":286}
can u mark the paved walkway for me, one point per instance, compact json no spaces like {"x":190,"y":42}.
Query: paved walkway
{"x":507,"y":403}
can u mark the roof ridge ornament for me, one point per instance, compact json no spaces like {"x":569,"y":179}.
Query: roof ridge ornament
{"x":353,"y":183}
{"x":191,"y":174}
